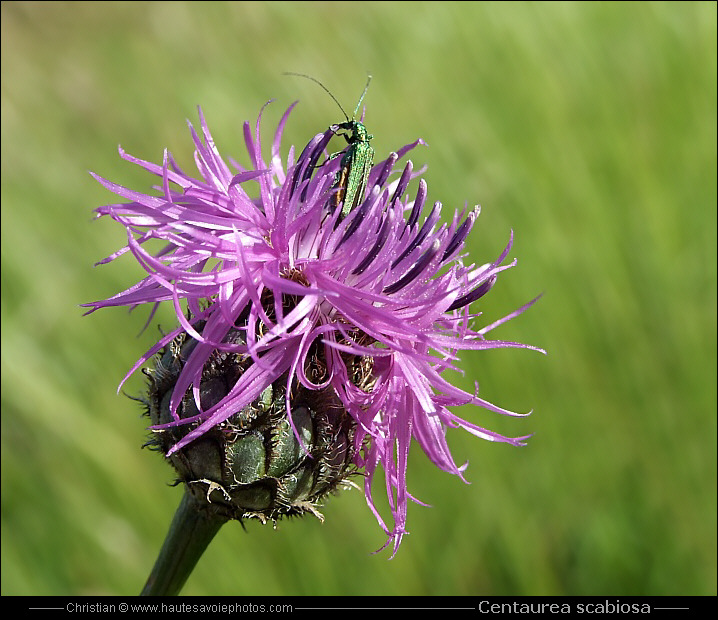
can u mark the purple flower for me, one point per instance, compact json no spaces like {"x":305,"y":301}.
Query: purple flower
{"x":258,"y":249}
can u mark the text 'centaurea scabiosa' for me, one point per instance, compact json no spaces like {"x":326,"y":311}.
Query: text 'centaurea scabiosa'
{"x":310,"y":345}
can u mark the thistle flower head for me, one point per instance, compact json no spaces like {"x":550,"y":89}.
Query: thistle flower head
{"x":358,"y":316}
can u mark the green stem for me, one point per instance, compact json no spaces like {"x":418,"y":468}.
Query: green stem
{"x":192,"y":529}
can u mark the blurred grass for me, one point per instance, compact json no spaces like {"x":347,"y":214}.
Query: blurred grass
{"x":587,"y":128}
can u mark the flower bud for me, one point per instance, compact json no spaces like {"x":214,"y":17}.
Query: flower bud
{"x":258,"y":462}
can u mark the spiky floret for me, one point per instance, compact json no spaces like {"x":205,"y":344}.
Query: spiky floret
{"x":377,"y":299}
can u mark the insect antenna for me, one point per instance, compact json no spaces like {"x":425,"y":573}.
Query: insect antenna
{"x":368,"y":79}
{"x":316,"y":81}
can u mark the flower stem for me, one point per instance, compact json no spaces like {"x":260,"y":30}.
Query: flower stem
{"x":192,"y":529}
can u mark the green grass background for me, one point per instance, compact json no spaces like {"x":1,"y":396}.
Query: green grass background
{"x":587,"y":128}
